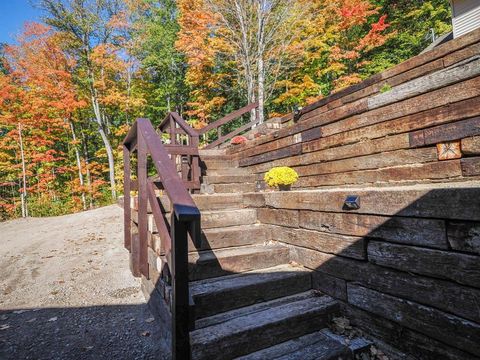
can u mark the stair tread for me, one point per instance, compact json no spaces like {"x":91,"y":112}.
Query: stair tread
{"x":208,"y":255}
{"x":238,"y":281}
{"x":314,"y":346}
{"x":251,"y":309}
{"x":275,"y":321}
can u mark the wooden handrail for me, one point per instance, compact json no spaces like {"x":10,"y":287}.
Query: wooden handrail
{"x":232,"y":116}
{"x":185,"y":220}
{"x":179,"y":120}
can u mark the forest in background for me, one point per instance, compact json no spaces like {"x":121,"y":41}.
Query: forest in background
{"x":72,"y":85}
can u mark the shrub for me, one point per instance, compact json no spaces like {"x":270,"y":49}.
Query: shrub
{"x":237,"y":140}
{"x":281,"y":176}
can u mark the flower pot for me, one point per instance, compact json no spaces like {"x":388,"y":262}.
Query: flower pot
{"x":284,"y":187}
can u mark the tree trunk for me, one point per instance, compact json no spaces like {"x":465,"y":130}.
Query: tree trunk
{"x":108,"y":146}
{"x":79,"y":166}
{"x":261,"y":89}
{"x":23,"y":195}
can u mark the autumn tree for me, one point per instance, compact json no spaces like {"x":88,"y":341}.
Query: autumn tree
{"x":91,"y":29}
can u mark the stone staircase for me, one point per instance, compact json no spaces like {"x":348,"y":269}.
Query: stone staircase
{"x":250,"y":300}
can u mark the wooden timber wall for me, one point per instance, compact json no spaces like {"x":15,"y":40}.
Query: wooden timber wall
{"x":387,"y":128}
{"x":407,"y":263}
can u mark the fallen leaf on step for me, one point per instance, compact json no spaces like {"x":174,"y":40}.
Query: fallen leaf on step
{"x":146,"y":333}
{"x":4,"y":327}
{"x":53,"y":319}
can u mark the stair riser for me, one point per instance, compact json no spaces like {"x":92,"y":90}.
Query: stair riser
{"x":215,"y":164}
{"x":228,"y":172}
{"x":214,"y":303}
{"x":205,"y":269}
{"x":270,"y":334}
{"x":211,"y":220}
{"x":230,"y":179}
{"x":219,"y":240}
{"x":229,"y":218}
{"x":234,"y":188}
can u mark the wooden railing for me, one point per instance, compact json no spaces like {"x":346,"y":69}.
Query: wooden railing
{"x":226,"y":119}
{"x":185,"y":220}
{"x":183,"y":148}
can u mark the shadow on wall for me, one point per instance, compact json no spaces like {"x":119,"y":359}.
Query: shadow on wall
{"x":410,"y":278}
{"x":407,"y":271}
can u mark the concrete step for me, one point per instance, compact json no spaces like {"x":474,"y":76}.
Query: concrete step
{"x":260,"y":328}
{"x":217,"y":295}
{"x":226,"y":218}
{"x":210,"y":264}
{"x":320,"y":345}
{"x":229,"y":179}
{"x":233,"y":188}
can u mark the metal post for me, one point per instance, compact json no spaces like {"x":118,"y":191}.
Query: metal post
{"x":180,"y":294}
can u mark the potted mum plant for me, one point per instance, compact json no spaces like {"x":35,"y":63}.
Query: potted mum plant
{"x":281,"y":177}
{"x":238,"y":140}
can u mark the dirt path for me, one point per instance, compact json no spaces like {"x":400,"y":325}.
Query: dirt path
{"x":66,"y":291}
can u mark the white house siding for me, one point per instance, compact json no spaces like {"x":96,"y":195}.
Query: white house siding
{"x":466,"y":16}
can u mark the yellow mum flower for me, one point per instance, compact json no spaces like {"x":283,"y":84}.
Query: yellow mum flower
{"x":282,"y":175}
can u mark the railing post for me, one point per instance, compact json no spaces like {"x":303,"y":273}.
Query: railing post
{"x":180,"y":292}
{"x":127,"y":211}
{"x":142,"y":206}
{"x":196,"y":172}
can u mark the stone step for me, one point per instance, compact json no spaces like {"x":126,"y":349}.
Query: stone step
{"x":320,"y":345}
{"x":215,"y":163}
{"x":226,"y":218}
{"x":257,"y":329}
{"x":210,"y":264}
{"x":233,"y":188}
{"x":211,"y":219}
{"x":233,"y":236}
{"x":228,"y":172}
{"x":217,"y":295}
{"x":220,"y":238}
{"x":218,"y":201}
{"x":229,"y":179}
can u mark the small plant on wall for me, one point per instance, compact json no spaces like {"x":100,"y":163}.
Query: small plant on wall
{"x":238,"y":140}
{"x":281,"y":177}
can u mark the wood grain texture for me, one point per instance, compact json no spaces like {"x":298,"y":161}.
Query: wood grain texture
{"x":458,"y":267}
{"x":439,"y":325}
{"x":423,"y":232}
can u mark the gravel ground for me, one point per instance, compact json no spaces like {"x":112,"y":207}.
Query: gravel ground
{"x":67,"y":292}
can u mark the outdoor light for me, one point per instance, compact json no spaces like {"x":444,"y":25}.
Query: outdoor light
{"x":297,"y":112}
{"x":352,"y":202}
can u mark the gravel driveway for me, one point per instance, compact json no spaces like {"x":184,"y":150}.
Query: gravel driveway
{"x":67,"y":292}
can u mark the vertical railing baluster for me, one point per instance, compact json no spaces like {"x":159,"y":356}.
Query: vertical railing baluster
{"x":127,"y":211}
{"x":180,"y":291}
{"x":142,"y":206}
{"x":196,"y":173}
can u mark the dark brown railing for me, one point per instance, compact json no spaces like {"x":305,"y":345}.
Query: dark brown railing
{"x":183,"y":148}
{"x":185,"y":220}
{"x":230,"y":117}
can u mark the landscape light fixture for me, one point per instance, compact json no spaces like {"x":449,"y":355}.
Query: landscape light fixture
{"x":352,"y":202}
